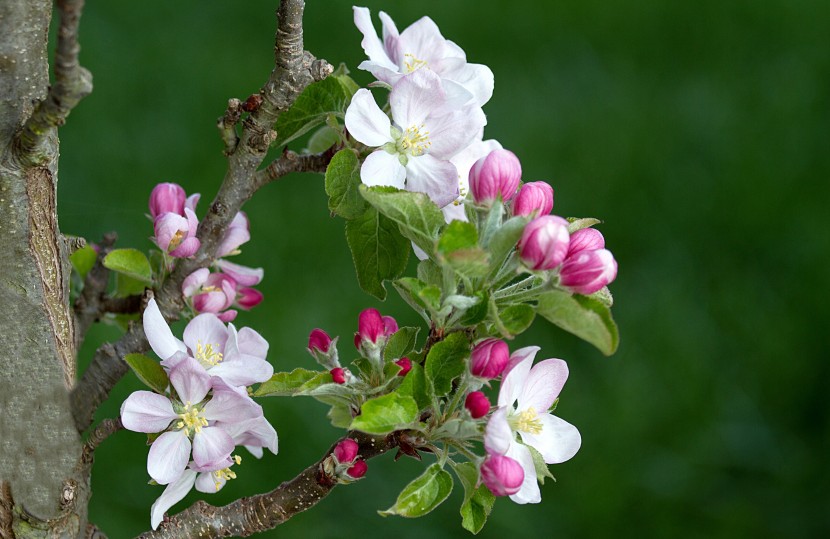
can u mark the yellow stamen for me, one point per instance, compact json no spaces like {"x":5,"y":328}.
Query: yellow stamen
{"x":208,"y":354}
{"x":176,"y":240}
{"x":192,"y":420}
{"x":415,"y":142}
{"x":528,"y":421}
{"x":413,"y":63}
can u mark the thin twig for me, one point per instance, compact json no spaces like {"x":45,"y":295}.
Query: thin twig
{"x":87,"y":307}
{"x":104,"y":430}
{"x":292,"y":162}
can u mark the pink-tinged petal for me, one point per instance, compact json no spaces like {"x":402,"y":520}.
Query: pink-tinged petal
{"x":193,"y":282}
{"x":390,"y":36}
{"x":452,"y":133}
{"x":192,"y":221}
{"x":390,"y":325}
{"x":366,"y":122}
{"x":252,"y":343}
{"x":543,"y":384}
{"x":255,"y":451}
{"x":466,"y":158}
{"x":168,"y":457}
{"x":187,"y":248}
{"x":502,"y":475}
{"x":190,"y":380}
{"x":415,"y":97}
{"x":529,"y":492}
{"x":498,"y":435}
{"x":174,"y":360}
{"x":424,"y":41}
{"x":558,"y":441}
{"x":249,"y":298}
{"x":211,"y":446}
{"x":243,"y":275}
{"x":173,"y":494}
{"x":210,"y":302}
{"x":212,"y":467}
{"x":585,"y":239}
{"x":371,"y":44}
{"x":191,"y":202}
{"x":515,"y":375}
{"x":476,"y":78}
{"x":166,"y":197}
{"x":383,"y":168}
{"x":158,"y":333}
{"x":234,"y":237}
{"x":145,"y":411}
{"x":253,"y":433}
{"x":205,"y":329}
{"x":381,"y":72}
{"x":209,"y":482}
{"x":229,"y":405}
{"x":169,"y":229}
{"x":437,"y":179}
{"x":243,"y":370}
{"x":227,"y":316}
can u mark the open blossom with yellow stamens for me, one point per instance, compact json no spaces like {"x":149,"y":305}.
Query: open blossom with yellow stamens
{"x":525,"y":396}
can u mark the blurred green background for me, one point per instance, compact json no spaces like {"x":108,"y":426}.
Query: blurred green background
{"x":698,"y":131}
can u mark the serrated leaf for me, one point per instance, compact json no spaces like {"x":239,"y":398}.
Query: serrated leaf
{"x":478,"y":502}
{"x":585,"y":317}
{"x":322,"y":139}
{"x":423,"y":494}
{"x":576,"y":223}
{"x":83,"y":260}
{"x":400,"y":343}
{"x":408,"y":288}
{"x":311,"y":108}
{"x":149,"y":371}
{"x":517,"y":318}
{"x":285,"y":384}
{"x":417,"y":216}
{"x":445,"y":362}
{"x":542,"y":470}
{"x":385,"y":414}
{"x":319,"y":379}
{"x":342,"y":182}
{"x":458,"y":235}
{"x":378,"y":250}
{"x":430,"y":273}
{"x":415,"y":385}
{"x":130,"y":262}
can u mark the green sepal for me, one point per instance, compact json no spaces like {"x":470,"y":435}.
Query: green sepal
{"x":400,"y":343}
{"x":83,"y":260}
{"x":417,"y":216}
{"x":576,"y":223}
{"x":446,"y":362}
{"x":130,"y":262}
{"x":378,"y":250}
{"x":430,"y":273}
{"x":149,"y":371}
{"x":587,"y":318}
{"x":423,"y":494}
{"x":542,"y":470}
{"x":285,"y":384}
{"x":385,"y":414}
{"x":342,"y":182}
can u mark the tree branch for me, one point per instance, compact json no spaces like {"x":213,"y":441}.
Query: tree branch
{"x":87,"y":307}
{"x":293,"y":162}
{"x":72,"y":83}
{"x":266,"y":511}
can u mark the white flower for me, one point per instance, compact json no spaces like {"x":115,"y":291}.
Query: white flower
{"x":421,"y":47}
{"x":415,"y":148}
{"x":525,"y":397}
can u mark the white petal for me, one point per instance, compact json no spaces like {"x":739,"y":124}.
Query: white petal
{"x":515,"y":375}
{"x":205,"y":329}
{"x":190,"y":380}
{"x":475,"y":78}
{"x":433,"y":177}
{"x":558,"y":441}
{"x":145,"y":411}
{"x":424,"y":41}
{"x":211,"y":446}
{"x":243,"y":370}
{"x":371,"y":43}
{"x":452,"y":133}
{"x":415,"y":97}
{"x":230,"y":404}
{"x":174,"y":493}
{"x":168,"y":456}
{"x":366,"y":122}
{"x":529,"y":492}
{"x":209,"y":483}
{"x":498,"y":435}
{"x":383,"y":168}
{"x":252,"y":343}
{"x":158,"y":333}
{"x":543,"y":384}
{"x":380,"y":72}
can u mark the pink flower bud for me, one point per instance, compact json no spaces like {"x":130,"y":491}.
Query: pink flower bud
{"x":405,"y":364}
{"x":477,"y":403}
{"x":338,"y":375}
{"x":534,"y":198}
{"x":489,"y":357}
{"x":502,"y":475}
{"x":370,"y":326}
{"x":249,"y":298}
{"x":319,"y":341}
{"x":167,"y":198}
{"x":588,"y":271}
{"x":390,"y":325}
{"x":346,"y":450}
{"x":496,"y":175}
{"x":227,"y":316}
{"x":358,"y":470}
{"x":176,"y":235}
{"x":585,"y":239}
{"x":544,"y":242}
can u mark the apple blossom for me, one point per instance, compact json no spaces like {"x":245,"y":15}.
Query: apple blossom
{"x":176,"y":235}
{"x":346,"y":451}
{"x":237,"y":233}
{"x":358,"y":470}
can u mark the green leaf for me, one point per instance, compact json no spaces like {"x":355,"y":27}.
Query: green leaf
{"x":458,"y":429}
{"x":149,"y":371}
{"x":313,"y":105}
{"x":384,"y":414}
{"x":478,"y":312}
{"x":342,"y":182}
{"x":415,"y":385}
{"x":492,"y":222}
{"x":417,"y":216}
{"x":603,"y":295}
{"x":378,"y":249}
{"x":340,"y":416}
{"x":469,"y":262}
{"x":285,"y":384}
{"x":322,"y":139}
{"x":445,"y":362}
{"x":127,"y":286}
{"x":409,"y":288}
{"x":542,"y":470}
{"x":319,"y":379}
{"x":505,"y":239}
{"x":423,"y":494}
{"x":585,"y":317}
{"x":83,"y":260}
{"x":575,"y":223}
{"x":517,"y":318}
{"x":458,"y":235}
{"x":430,"y":273}
{"x":458,"y":246}
{"x":478,"y":502}
{"x":400,"y":343}
{"x":130,"y":262}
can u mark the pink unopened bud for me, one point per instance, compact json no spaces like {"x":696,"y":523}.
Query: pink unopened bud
{"x":346,"y":450}
{"x":502,"y":475}
{"x":588,"y":271}
{"x":358,"y":470}
{"x":249,"y":298}
{"x":496,"y":175}
{"x":544,"y":242}
{"x":227,"y":316}
{"x":489,"y":357}
{"x":338,"y":375}
{"x":405,"y":364}
{"x":370,"y":326}
{"x":176,"y":235}
{"x":167,"y":198}
{"x":477,"y":403}
{"x":390,"y":325}
{"x":318,"y":340}
{"x":585,"y":239}
{"x":534,"y":198}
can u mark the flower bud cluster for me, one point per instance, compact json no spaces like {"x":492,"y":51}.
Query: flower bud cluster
{"x":345,"y":463}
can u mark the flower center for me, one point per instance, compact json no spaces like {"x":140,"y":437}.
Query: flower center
{"x":413,"y":64}
{"x":208,"y":354}
{"x":527,"y":421}
{"x":191,"y":420}
{"x":176,"y":240}
{"x":414,"y":141}
{"x":225,"y":474}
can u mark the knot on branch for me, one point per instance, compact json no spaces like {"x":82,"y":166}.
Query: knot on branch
{"x":320,"y":69}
